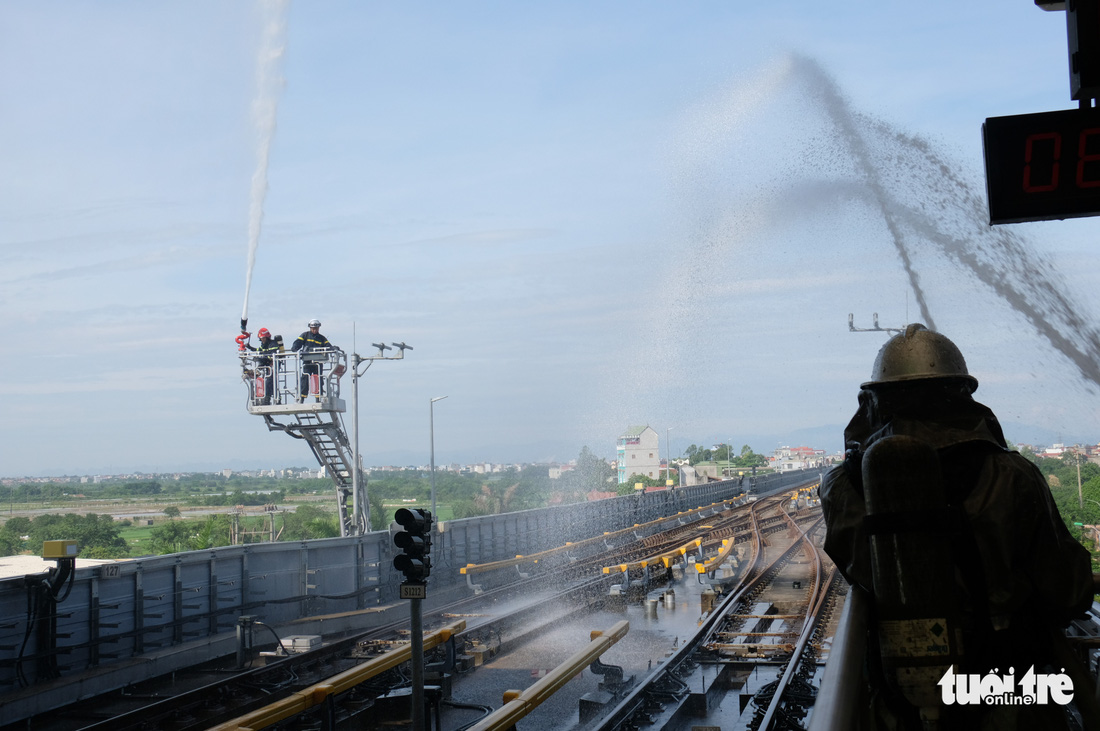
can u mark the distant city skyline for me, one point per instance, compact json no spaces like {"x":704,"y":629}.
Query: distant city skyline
{"x":1037,"y":437}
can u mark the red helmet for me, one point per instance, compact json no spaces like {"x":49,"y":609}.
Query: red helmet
{"x":264,"y":332}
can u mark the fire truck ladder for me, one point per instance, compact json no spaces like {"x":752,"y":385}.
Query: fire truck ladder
{"x":305,"y":386}
{"x":330,"y":446}
{"x":274,"y":381}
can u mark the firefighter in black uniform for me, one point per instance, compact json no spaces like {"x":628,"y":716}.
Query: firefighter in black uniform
{"x":311,"y":340}
{"x":268,"y":347}
{"x":1018,"y":576}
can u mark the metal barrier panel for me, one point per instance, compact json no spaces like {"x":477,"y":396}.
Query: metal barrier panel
{"x":74,"y":629}
{"x":154,"y":606}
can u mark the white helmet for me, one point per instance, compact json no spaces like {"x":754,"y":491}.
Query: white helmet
{"x":919,"y":354}
{"x":315,"y":323}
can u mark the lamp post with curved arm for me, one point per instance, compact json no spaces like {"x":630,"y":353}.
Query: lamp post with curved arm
{"x":1077,"y":457}
{"x":431,"y":428}
{"x":668,"y":456}
{"x":361,"y":522}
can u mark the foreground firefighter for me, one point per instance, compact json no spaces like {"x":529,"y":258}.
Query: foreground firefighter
{"x":972,"y":570}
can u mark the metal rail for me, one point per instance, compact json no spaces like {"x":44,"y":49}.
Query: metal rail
{"x":320,"y":693}
{"x":836,"y":703}
{"x":517,"y":704}
{"x":754,"y":534}
{"x":755,"y":576}
{"x":817,"y":595}
{"x":534,"y":558}
{"x":664,"y":558}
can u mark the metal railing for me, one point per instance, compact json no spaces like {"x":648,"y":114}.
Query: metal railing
{"x":280,"y":379}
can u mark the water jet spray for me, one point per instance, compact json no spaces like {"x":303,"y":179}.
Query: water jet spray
{"x":264,"y":107}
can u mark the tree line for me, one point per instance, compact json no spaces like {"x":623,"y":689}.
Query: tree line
{"x":466,"y":495}
{"x":96,"y":535}
{"x":472,"y":495}
{"x":723,"y":453}
{"x":1061,"y":474}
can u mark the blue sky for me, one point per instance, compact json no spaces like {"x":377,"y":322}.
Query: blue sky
{"x":582,"y":216}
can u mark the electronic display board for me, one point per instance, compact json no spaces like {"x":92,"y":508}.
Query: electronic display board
{"x":1045,"y":166}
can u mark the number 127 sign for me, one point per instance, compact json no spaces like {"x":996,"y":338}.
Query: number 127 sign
{"x":1045,"y":166}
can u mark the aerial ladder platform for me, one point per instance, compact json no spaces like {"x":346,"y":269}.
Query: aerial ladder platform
{"x":299,"y":393}
{"x":274,"y":381}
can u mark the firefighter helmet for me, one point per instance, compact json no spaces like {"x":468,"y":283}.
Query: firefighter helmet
{"x":919,"y":354}
{"x":264,"y":332}
{"x":315,"y":323}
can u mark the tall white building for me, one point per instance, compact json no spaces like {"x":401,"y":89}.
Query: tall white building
{"x":638,"y":453}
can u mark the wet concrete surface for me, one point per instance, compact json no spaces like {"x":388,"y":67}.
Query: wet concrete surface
{"x":661,"y":620}
{"x":657,"y":630}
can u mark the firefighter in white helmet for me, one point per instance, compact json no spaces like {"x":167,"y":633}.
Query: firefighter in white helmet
{"x":1019,"y":576}
{"x":310,"y":340}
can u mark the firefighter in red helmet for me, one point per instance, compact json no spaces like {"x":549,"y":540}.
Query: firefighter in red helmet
{"x":269,"y":346}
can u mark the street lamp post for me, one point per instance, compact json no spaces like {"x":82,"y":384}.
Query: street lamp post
{"x":431,"y":429}
{"x":668,"y":456}
{"x":1080,"y":495}
{"x":356,"y":477}
{"x":360,"y":503}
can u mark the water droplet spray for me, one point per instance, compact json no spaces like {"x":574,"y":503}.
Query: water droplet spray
{"x":950,"y":219}
{"x":784,"y":150}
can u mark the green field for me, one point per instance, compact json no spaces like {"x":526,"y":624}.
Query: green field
{"x":138,"y":537}
{"x":443,"y":512}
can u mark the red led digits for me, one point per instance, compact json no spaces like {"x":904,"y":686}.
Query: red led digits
{"x":1055,"y":158}
{"x":1043,"y":157}
{"x":1084,"y":157}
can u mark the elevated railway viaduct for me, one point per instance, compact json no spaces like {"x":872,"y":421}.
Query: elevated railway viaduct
{"x":123,"y":622}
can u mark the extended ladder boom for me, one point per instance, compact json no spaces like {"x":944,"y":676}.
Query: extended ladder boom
{"x":305,"y":388}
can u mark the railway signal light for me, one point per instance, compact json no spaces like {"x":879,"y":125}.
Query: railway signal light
{"x":415,"y":542}
{"x":414,"y":537}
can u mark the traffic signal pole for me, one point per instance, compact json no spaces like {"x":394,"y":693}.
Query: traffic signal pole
{"x":415,"y":542}
{"x":417,"y":644}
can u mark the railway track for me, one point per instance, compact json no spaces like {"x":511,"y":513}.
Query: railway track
{"x":777,"y":613}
